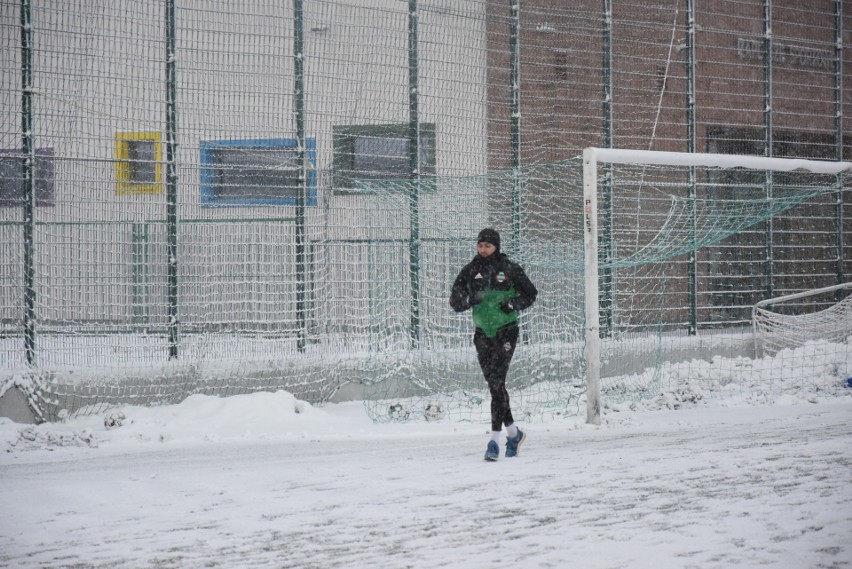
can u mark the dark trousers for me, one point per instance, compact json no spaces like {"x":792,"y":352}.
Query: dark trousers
{"x":494,"y":356}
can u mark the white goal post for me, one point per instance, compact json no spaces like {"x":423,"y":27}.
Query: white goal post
{"x":592,"y":157}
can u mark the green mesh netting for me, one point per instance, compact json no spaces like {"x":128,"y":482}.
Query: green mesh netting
{"x":654,"y":226}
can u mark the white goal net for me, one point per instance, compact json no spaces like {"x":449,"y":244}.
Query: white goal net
{"x":672,"y":243}
{"x":791,"y":321}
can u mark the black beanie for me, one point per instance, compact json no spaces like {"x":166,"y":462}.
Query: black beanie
{"x":489,"y":235}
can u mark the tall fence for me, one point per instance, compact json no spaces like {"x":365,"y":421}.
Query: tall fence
{"x":194,"y":195}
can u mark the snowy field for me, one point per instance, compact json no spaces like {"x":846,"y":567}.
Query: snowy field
{"x":265,"y":480}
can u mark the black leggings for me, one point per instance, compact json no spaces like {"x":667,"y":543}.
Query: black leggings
{"x":494,"y":356}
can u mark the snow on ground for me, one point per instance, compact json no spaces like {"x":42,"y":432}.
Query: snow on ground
{"x":265,"y":480}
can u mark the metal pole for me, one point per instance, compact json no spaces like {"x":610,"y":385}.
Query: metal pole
{"x":768,"y":269}
{"x":798,"y":295}
{"x":301,"y":195}
{"x":414,"y":168}
{"x":171,"y":179}
{"x":607,"y":74}
{"x":690,"y":147}
{"x":605,"y":251}
{"x":838,"y":133}
{"x":27,"y":171}
{"x":515,"y":119}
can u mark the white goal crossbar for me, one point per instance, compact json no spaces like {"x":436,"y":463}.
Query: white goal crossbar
{"x":620,"y":156}
{"x":591,"y":157}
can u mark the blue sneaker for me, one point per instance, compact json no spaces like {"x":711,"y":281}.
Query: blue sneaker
{"x":492,"y":452}
{"x":514,"y":443}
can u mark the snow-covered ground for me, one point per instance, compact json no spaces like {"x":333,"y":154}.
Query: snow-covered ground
{"x":265,"y":480}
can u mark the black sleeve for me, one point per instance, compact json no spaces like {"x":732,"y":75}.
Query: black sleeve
{"x":524,"y":287}
{"x":460,"y":295}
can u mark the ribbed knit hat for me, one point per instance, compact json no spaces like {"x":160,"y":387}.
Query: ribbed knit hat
{"x":489,"y":235}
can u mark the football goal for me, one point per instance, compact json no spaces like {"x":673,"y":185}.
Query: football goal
{"x":677,"y":249}
{"x":648,"y":266}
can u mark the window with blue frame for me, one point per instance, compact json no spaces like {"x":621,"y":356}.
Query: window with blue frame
{"x":256,"y":172}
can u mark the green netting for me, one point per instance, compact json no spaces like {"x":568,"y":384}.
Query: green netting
{"x":653,"y":220}
{"x":434,"y":373}
{"x":699,"y":218}
{"x":209,"y":204}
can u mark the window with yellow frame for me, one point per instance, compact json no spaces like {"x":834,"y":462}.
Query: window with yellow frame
{"x":138,"y":163}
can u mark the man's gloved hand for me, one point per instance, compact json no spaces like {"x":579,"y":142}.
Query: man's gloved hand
{"x":476,"y":298}
{"x":507,"y":306}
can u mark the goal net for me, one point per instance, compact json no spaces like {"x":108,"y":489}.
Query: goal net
{"x":791,"y":321}
{"x":435,"y":374}
{"x":647,"y":263}
{"x":677,"y":248}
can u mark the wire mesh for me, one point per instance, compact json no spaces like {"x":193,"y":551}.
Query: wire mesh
{"x":286,"y":258}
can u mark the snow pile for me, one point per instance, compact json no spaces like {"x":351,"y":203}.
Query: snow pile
{"x":204,"y":418}
{"x":813,"y":373}
{"x":33,"y":437}
{"x":818,"y":372}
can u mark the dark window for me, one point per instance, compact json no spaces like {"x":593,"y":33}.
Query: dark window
{"x":138,"y":163}
{"x":12,"y":177}
{"x":255,"y":172}
{"x":379,"y":152}
{"x":142,"y":161}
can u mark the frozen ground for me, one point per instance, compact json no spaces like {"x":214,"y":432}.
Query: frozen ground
{"x":265,"y":480}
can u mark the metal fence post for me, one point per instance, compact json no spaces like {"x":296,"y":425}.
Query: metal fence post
{"x":768,"y":267}
{"x":28,"y":151}
{"x":690,"y":147}
{"x":414,"y":168}
{"x":515,"y":119}
{"x":838,"y":133}
{"x":605,"y":251}
{"x":171,"y":179}
{"x":301,"y":195}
